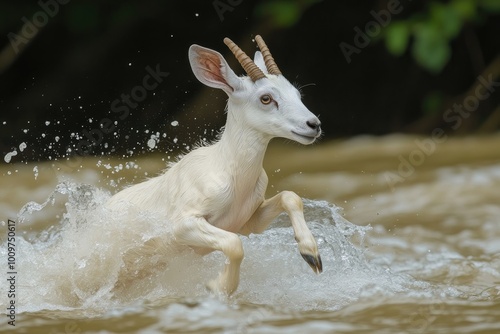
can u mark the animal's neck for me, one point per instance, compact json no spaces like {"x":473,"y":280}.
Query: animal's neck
{"x":242,"y":148}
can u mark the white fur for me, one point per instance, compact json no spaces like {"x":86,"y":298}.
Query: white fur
{"x":216,"y":192}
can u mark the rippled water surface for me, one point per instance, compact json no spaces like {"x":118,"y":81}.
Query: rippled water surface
{"x":408,"y":230}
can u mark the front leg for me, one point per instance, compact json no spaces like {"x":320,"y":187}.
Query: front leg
{"x":291,"y":203}
{"x":201,"y":235}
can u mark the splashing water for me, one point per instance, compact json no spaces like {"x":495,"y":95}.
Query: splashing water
{"x":9,"y":156}
{"x":432,"y":253}
{"x":93,"y":260}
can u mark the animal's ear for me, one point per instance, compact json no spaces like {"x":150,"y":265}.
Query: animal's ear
{"x":212,"y":69}
{"x":259,"y":61}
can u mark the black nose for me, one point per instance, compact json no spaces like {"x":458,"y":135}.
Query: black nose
{"x":314,"y":124}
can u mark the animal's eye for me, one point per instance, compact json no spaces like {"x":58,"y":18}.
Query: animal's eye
{"x":266,"y":99}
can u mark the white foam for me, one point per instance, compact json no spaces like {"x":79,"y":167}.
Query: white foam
{"x":80,"y":261}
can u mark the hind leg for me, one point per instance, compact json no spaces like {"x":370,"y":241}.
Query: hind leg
{"x":199,"y":234}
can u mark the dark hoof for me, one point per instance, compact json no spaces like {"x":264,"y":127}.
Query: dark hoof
{"x":314,"y":262}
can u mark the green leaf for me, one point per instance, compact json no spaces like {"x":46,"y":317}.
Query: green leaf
{"x":430,"y":49}
{"x":447,"y":18}
{"x":282,"y":13}
{"x":397,"y":37}
{"x":466,"y":9}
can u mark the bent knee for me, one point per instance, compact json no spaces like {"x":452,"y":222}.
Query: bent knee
{"x":289,"y":199}
{"x":233,"y":248}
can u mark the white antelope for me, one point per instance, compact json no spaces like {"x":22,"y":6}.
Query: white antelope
{"x":216,"y":192}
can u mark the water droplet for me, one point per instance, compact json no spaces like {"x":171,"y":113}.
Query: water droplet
{"x":9,"y":156}
{"x":151,"y":143}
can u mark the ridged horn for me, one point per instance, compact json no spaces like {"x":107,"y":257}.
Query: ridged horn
{"x":248,"y":65}
{"x":271,"y":66}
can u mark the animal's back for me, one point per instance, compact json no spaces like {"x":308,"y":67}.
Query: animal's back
{"x":197,"y":185}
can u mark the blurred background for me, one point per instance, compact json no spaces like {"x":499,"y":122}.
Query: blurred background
{"x":73,"y":71}
{"x":101,"y":93}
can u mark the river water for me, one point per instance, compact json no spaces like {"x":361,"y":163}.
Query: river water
{"x":408,"y":230}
